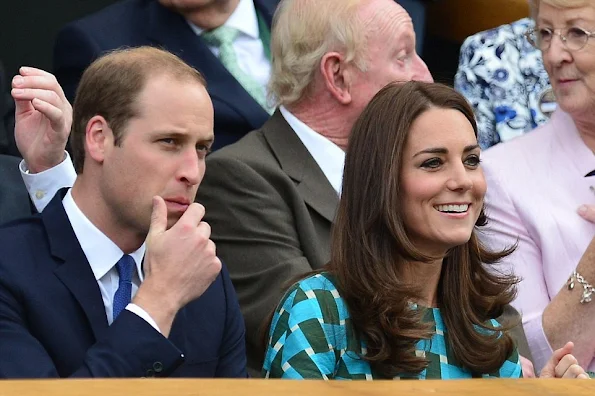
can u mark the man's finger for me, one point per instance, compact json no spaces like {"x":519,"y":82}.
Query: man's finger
{"x":204,"y":229}
{"x":192,"y":216}
{"x":158,"y":217}
{"x":33,"y":71}
{"x":587,"y":212}
{"x":53,"y":113}
{"x":46,"y":95}
{"x":42,"y":80}
{"x":22,"y":106}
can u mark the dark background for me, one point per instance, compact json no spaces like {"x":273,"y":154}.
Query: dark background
{"x":28,"y":29}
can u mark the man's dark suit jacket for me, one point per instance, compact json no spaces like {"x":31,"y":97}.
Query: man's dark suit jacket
{"x":7,"y":142}
{"x":14,"y":199}
{"x":271,"y":209}
{"x":53,"y":321}
{"x":132,"y":23}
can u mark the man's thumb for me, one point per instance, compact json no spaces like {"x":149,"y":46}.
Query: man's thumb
{"x":158,"y":217}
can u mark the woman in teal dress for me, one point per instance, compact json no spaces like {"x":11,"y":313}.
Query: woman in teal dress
{"x":407,"y":292}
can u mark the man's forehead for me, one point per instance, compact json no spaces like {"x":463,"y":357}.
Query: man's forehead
{"x":380,"y":15}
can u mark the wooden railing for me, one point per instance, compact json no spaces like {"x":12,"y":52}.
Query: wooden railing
{"x":257,"y":387}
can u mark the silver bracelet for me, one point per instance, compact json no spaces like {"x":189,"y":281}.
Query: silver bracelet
{"x":588,"y":289}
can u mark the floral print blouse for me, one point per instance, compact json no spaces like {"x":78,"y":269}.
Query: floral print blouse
{"x":503,"y":78}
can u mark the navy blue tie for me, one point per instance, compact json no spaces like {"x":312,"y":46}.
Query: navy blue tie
{"x":122,"y":296}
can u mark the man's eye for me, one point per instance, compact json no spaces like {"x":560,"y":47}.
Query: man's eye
{"x":203,"y":148}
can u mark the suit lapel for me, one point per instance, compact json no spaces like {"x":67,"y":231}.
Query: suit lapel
{"x":267,"y":9}
{"x":296,"y":161}
{"x":169,"y":30}
{"x":74,"y":272}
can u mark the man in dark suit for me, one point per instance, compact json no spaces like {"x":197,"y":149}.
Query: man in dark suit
{"x":7,"y":143}
{"x":78,"y":295}
{"x":14,"y":201}
{"x":272,"y":196}
{"x":180,"y":26}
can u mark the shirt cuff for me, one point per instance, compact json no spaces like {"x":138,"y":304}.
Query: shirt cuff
{"x":44,"y":185}
{"x":538,"y":342}
{"x":135,"y":309}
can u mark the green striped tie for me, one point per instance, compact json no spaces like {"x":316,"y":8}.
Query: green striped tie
{"x":223,"y":38}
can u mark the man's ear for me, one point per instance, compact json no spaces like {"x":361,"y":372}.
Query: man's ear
{"x":337,"y":76}
{"x":98,"y":138}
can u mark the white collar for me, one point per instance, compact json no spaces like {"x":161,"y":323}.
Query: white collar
{"x":329,"y":157}
{"x":243,"y":19}
{"x":101,"y":252}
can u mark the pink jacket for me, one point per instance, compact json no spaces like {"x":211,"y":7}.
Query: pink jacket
{"x":535,"y":184}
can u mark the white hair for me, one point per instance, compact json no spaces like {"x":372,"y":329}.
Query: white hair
{"x":303,"y":32}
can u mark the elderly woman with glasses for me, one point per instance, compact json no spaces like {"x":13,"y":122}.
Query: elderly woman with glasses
{"x":541,"y":191}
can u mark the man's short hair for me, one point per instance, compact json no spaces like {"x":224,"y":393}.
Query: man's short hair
{"x":111,"y":85}
{"x":303,"y":31}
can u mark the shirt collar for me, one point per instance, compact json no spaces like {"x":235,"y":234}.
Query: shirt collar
{"x":243,"y":19}
{"x":571,"y":142}
{"x":329,"y":157}
{"x":101,"y":252}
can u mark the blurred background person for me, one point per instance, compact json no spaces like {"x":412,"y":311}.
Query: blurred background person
{"x":536,"y":184}
{"x":228,"y":41}
{"x":502,"y":75}
{"x":406,"y":293}
{"x":7,"y":143}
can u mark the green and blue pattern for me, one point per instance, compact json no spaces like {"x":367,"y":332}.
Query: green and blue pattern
{"x":312,"y":336}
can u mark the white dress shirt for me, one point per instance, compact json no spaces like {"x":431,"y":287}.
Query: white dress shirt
{"x":101,"y":252}
{"x":43,"y":186}
{"x":248,"y":46}
{"x":329,"y":157}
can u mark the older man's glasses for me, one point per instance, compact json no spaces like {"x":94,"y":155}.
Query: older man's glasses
{"x":574,"y":38}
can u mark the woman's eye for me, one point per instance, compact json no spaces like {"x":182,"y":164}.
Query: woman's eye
{"x":472,"y":161}
{"x":544,"y":34}
{"x":576,"y":33}
{"x":432,"y":163}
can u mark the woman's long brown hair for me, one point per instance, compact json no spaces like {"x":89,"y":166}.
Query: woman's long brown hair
{"x":370,"y":245}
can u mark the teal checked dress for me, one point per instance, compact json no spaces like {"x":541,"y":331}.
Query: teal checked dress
{"x":312,"y":336}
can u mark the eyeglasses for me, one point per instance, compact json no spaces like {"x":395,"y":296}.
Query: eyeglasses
{"x":574,"y":38}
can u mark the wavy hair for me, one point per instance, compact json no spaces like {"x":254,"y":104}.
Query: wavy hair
{"x":370,"y":244}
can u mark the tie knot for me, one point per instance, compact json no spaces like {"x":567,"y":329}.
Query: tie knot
{"x":125,"y":266}
{"x":221,"y":36}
